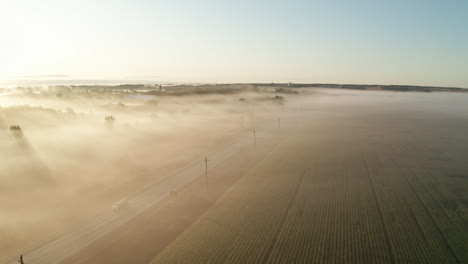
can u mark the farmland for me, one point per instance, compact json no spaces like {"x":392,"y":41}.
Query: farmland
{"x":301,"y":175}
{"x":360,"y":177}
{"x":70,"y":164}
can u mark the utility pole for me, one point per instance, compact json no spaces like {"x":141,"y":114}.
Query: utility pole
{"x":255,"y":137}
{"x":21,"y":259}
{"x":206,"y":171}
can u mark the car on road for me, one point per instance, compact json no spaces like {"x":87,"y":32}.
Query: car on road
{"x":122,"y":204}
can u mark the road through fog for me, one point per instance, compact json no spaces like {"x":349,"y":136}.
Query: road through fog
{"x":67,"y":245}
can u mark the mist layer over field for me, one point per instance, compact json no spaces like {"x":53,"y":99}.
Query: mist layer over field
{"x":355,"y":177}
{"x":70,"y":164}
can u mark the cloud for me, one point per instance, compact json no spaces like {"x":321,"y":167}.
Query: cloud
{"x":45,"y":76}
{"x":144,"y":77}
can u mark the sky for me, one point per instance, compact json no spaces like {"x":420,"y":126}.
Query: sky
{"x":416,"y":42}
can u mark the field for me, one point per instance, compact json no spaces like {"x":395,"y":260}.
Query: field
{"x":360,"y":177}
{"x":330,"y":175}
{"x":69,"y":165}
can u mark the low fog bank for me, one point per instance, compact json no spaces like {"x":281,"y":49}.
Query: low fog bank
{"x":70,"y":152}
{"x":67,"y":154}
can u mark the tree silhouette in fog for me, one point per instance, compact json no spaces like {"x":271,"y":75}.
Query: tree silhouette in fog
{"x":109,"y":119}
{"x":16,"y":130}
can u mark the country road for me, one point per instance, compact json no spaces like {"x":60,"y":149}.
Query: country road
{"x":154,"y":197}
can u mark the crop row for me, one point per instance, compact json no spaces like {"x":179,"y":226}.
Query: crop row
{"x":414,"y":232}
{"x":228,"y":232}
{"x":334,"y":220}
{"x":347,"y":208}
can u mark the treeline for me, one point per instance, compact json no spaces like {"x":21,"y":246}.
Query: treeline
{"x":194,"y":89}
{"x":373,"y":87}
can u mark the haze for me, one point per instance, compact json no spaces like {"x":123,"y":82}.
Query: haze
{"x":384,"y":42}
{"x":150,"y":132}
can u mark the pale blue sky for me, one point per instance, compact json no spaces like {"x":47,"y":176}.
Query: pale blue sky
{"x":388,"y":42}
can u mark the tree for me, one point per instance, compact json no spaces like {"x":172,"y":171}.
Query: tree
{"x":16,"y":130}
{"x":109,"y":119}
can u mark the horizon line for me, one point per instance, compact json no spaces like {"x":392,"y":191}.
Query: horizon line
{"x":145,"y":82}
